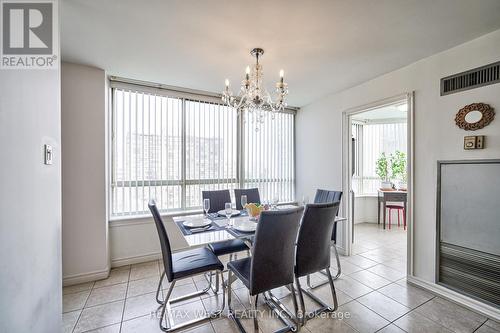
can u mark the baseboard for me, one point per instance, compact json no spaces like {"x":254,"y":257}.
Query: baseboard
{"x":70,"y":280}
{"x":471,"y":303}
{"x":118,"y":262}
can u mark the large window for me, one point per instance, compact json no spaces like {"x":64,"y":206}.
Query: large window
{"x":371,"y":140}
{"x":170,"y":146}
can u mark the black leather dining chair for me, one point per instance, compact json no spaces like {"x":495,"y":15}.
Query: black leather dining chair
{"x":327,"y":196}
{"x":218,"y":199}
{"x":252,"y":194}
{"x":313,"y":252}
{"x":180,"y":265}
{"x":271,"y":264}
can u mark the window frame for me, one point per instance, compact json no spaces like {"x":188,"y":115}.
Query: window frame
{"x":184,"y":95}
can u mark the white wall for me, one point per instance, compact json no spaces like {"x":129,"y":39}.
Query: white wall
{"x":136,"y":240}
{"x":30,"y":201}
{"x":84,"y":222}
{"x":436,"y":135}
{"x":365,"y":209}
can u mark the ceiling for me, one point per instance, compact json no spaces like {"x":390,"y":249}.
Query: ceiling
{"x":390,"y":112}
{"x":323,"y":46}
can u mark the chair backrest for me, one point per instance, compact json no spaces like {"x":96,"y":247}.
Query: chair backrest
{"x":217,"y":199}
{"x":252,"y":194}
{"x":314,"y":238}
{"x":273,"y":251}
{"x":166,"y":251}
{"x":326,"y":196}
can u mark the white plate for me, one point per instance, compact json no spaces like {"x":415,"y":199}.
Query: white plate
{"x":245,"y":226}
{"x":196,"y":223}
{"x":223,"y":213}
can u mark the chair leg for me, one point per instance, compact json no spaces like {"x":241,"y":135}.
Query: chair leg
{"x":270,"y":300}
{"x":390,"y":218}
{"x":337,"y":258}
{"x":253,"y":305}
{"x":166,"y":313}
{"x":324,"y":307}
{"x":158,"y":300}
{"x":339,"y":271}
{"x":302,"y":311}
{"x":398,"y":217}
{"x":332,"y":289}
{"x":282,"y":313}
{"x":231,"y":313}
{"x":404,"y":218}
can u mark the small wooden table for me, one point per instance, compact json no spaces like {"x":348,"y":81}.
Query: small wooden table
{"x":385,"y":196}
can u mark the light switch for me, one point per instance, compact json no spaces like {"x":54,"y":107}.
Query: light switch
{"x":474,"y":142}
{"x":48,"y":154}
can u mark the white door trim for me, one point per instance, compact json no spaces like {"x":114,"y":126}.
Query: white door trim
{"x":346,"y":233}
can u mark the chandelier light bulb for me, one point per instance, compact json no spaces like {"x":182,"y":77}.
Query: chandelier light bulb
{"x":282,"y":73}
{"x":247,"y":71}
{"x":227,"y":83}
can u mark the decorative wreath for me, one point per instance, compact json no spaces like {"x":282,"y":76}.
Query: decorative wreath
{"x":486,"y":110}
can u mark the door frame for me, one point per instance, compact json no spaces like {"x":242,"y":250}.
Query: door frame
{"x":347,"y":167}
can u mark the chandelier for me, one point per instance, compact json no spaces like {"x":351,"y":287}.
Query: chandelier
{"x":253,"y":97}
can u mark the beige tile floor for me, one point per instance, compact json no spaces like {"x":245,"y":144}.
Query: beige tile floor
{"x":372,"y":292}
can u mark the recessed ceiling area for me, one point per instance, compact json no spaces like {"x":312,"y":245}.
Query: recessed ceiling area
{"x":390,"y":112}
{"x":323,"y":46}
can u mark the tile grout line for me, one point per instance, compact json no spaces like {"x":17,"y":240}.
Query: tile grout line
{"x":483,"y":324}
{"x":125,"y":300}
{"x":81,"y":310}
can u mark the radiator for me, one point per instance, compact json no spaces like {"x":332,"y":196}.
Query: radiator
{"x":474,"y":273}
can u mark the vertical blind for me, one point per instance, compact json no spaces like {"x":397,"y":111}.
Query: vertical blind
{"x":169,"y":148}
{"x":376,"y":139}
{"x":269,"y":156}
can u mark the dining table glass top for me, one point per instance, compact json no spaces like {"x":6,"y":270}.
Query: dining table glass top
{"x":221,"y":232}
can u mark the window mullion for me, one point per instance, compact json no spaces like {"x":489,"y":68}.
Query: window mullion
{"x":183,"y":152}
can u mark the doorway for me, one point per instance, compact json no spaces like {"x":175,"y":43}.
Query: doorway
{"x":377,"y":176}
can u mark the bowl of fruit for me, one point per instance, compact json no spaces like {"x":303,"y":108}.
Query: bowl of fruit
{"x":254,"y":210}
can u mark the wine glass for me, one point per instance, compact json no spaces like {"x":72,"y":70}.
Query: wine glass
{"x":228,"y":211}
{"x":276,"y":200}
{"x":206,"y":206}
{"x":244,"y":201}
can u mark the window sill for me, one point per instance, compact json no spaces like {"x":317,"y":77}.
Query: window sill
{"x":366,"y":195}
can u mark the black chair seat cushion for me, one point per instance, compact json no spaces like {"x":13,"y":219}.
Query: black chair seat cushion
{"x":194,"y":261}
{"x":241,"y":268}
{"x":227,"y":247}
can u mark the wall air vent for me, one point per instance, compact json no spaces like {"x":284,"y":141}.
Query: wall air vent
{"x":474,"y":78}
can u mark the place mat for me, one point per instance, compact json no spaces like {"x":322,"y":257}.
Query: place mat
{"x":240,"y":234}
{"x":187,"y":231}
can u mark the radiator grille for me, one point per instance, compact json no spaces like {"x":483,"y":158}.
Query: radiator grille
{"x":472,"y":272}
{"x":474,"y":78}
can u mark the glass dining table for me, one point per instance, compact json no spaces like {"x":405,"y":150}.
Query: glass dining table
{"x":219,"y":231}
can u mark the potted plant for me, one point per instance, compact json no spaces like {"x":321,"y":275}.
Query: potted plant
{"x":382,"y":170}
{"x":398,"y":168}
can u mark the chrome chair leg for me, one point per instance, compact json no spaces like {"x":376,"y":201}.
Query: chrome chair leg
{"x":324,"y":307}
{"x":166,"y":312}
{"x":270,"y":300}
{"x":158,"y":300}
{"x":339,"y":269}
{"x":208,"y":277}
{"x":301,"y":313}
{"x":322,"y":283}
{"x":253,"y":305}
{"x":290,"y":320}
{"x":231,"y":313}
